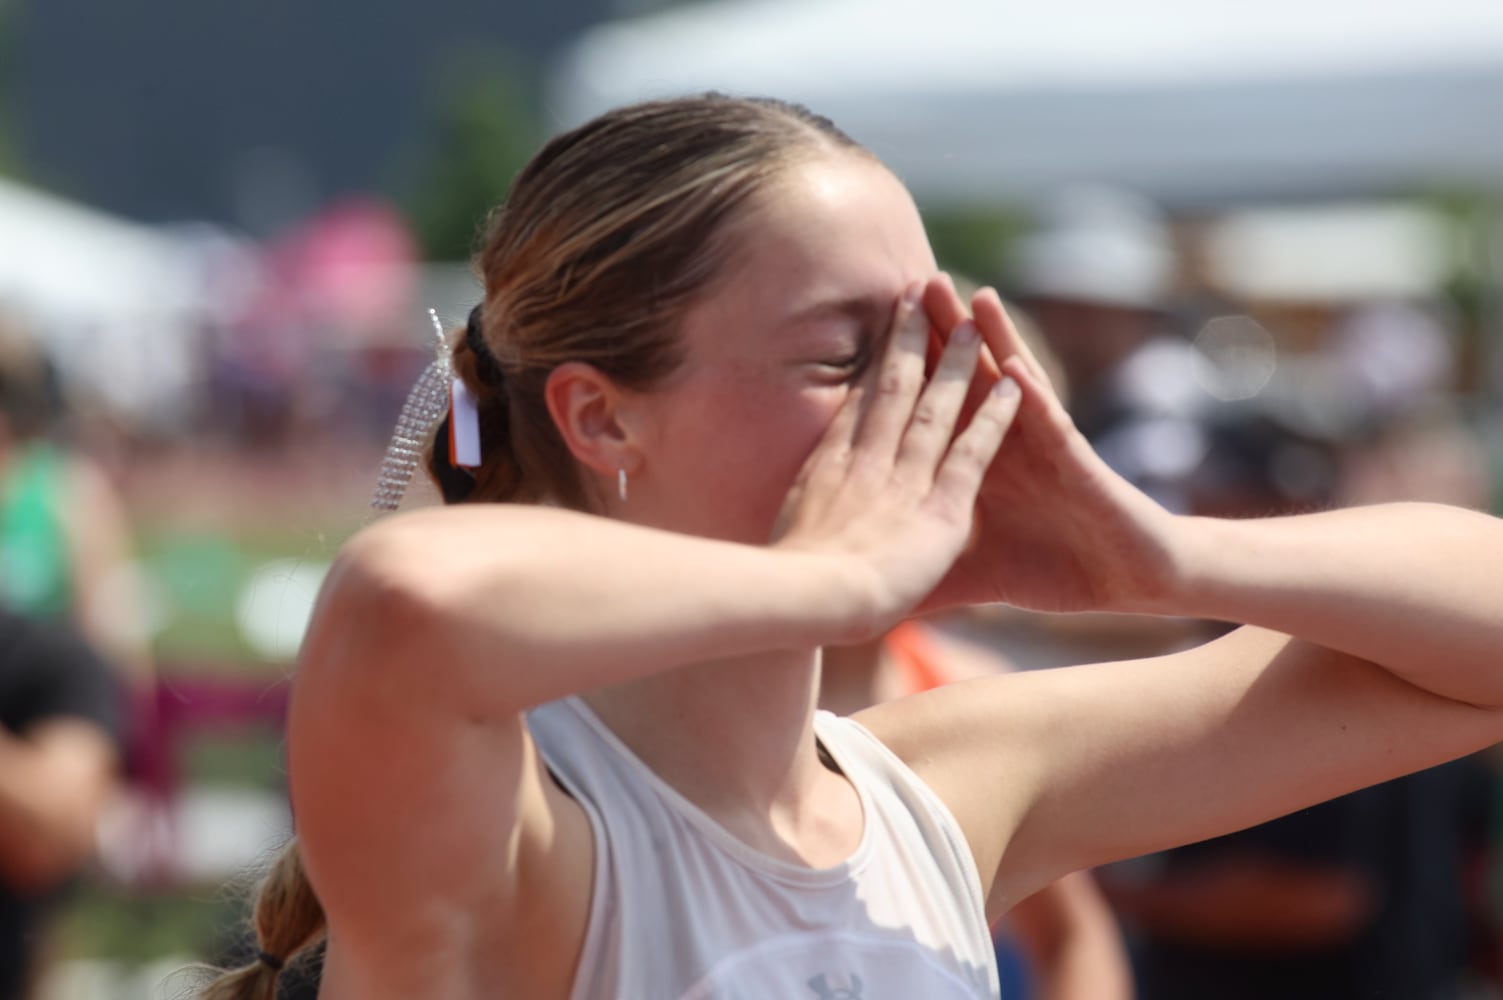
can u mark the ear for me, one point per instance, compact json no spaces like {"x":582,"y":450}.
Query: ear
{"x":593,"y":416}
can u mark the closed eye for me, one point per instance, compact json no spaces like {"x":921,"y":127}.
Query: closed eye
{"x":851,"y":366}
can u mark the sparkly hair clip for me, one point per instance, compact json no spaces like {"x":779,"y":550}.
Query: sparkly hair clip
{"x":437,"y":391}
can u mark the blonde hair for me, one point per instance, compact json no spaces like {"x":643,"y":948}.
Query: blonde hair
{"x":603,"y":241}
{"x":288,"y":921}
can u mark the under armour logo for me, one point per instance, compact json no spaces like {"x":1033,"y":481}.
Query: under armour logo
{"x":820,"y":984}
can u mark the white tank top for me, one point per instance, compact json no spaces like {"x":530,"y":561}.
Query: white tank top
{"x":682,"y":910}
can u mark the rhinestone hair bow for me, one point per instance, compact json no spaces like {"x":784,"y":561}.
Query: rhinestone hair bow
{"x":437,"y":392}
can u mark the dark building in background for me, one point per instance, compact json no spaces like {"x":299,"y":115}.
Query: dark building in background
{"x":242,"y":111}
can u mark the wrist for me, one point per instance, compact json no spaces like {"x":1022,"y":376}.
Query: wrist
{"x":1196,"y":550}
{"x":844,"y":595}
{"x":1220,"y":562}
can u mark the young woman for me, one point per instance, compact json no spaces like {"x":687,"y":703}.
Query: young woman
{"x":567,"y":745}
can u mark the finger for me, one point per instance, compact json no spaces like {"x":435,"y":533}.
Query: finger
{"x":965,"y":464}
{"x":1001,"y":334}
{"x":934,"y":415}
{"x":832,"y":454}
{"x":947,"y":310}
{"x":896,"y":382}
{"x":1040,"y":401}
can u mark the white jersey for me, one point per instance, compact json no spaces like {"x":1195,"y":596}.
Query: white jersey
{"x":682,"y":910}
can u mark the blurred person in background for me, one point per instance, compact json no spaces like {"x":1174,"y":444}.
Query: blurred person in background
{"x":1380,"y":893}
{"x":1094,"y":280}
{"x":1393,"y":366}
{"x":67,"y":556}
{"x":1374,"y":894}
{"x":65,"y":538}
{"x":1098,"y":274}
{"x":60,"y":758}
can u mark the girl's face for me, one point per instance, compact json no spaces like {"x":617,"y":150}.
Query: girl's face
{"x":817,"y":265}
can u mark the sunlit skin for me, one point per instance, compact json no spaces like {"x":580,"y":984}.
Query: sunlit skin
{"x":862,"y":497}
{"x":772,"y":352}
{"x":771,"y":355}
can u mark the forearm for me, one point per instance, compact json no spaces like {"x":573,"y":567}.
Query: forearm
{"x":529,"y":604}
{"x":1411,"y":587}
{"x":49,"y":802}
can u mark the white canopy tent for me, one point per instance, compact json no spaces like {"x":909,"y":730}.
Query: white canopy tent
{"x":1188,"y":101}
{"x":115,"y":302}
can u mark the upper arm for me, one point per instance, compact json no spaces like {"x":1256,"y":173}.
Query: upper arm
{"x":109,"y":600}
{"x":424,"y":816}
{"x":1055,"y":770}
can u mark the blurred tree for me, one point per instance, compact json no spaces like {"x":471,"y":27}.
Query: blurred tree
{"x":1472,"y":289}
{"x":486,"y":130}
{"x":973,"y":241}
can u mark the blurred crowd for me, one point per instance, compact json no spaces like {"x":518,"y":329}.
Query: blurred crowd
{"x":1215,"y":396}
{"x":1223,"y":405}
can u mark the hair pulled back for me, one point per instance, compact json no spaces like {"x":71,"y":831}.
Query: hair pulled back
{"x":606,"y":237}
{"x":604,"y":240}
{"x":288,"y":921}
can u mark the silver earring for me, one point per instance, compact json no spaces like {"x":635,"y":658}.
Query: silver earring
{"x":621,"y":484}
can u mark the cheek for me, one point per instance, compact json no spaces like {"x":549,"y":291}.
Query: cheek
{"x":741,"y":449}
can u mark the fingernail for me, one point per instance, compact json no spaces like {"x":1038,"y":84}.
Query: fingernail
{"x":912,"y":294}
{"x":965,"y":333}
{"x":1005,"y":388}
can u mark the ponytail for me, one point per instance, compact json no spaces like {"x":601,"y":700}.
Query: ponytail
{"x":288,"y":921}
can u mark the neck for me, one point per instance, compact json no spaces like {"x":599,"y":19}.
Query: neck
{"x":733,"y":731}
{"x":736,"y":738}
{"x":855,"y":677}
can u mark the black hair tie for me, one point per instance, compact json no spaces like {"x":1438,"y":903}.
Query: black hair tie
{"x":486,"y":368}
{"x":274,"y":962}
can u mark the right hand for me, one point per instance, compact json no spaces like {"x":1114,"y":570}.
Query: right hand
{"x":891,"y":485}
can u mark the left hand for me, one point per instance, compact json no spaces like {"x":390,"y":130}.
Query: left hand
{"x":1056,"y":529}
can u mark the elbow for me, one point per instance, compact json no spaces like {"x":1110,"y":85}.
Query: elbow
{"x":407,"y":595}
{"x":369,"y":608}
{"x":377,"y":588}
{"x":387,"y":613}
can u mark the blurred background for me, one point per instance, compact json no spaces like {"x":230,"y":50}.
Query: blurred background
{"x":1263,"y":245}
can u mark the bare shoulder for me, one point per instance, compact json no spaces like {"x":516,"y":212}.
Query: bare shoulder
{"x":970,"y":743}
{"x":432,"y":832}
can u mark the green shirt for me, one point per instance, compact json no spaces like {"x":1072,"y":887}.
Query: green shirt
{"x":35,"y":568}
